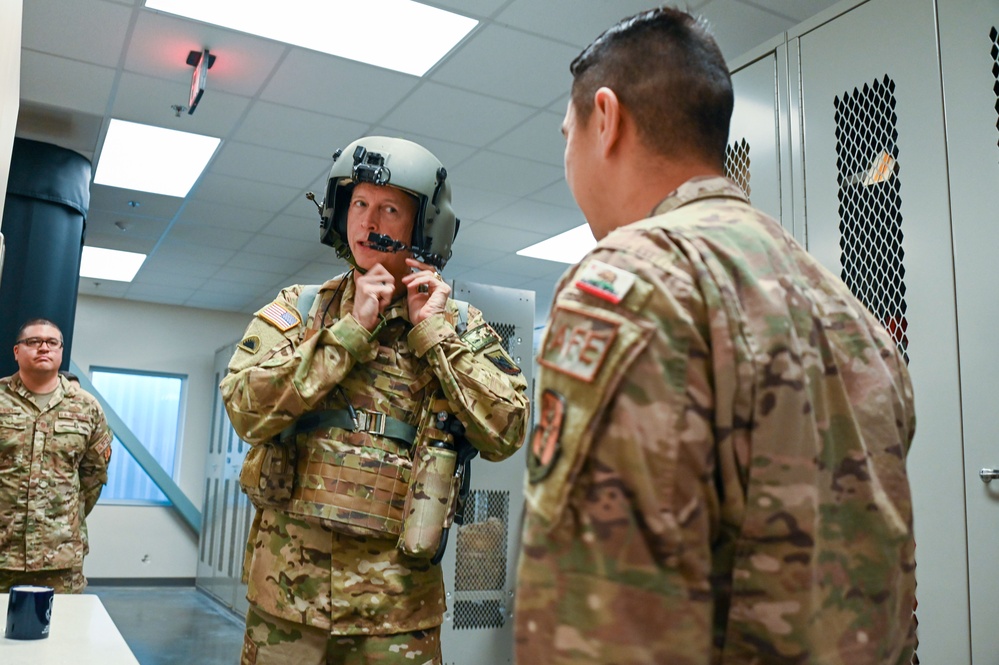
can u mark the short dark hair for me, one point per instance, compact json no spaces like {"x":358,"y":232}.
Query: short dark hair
{"x":35,"y":322}
{"x":668,"y":71}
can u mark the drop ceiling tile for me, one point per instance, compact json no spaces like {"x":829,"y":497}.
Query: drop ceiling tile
{"x":243,"y":193}
{"x":480,"y":70}
{"x":67,"y":28}
{"x":470,"y":256}
{"x":209,"y":236}
{"x":523,"y":265}
{"x":103,"y":288}
{"x":173,"y":278}
{"x":55,"y":81}
{"x":539,"y":139}
{"x":455,"y":115}
{"x":249,"y":277}
{"x":119,"y":241}
{"x":115,"y":200}
{"x":173,"y":262}
{"x":251,"y":260}
{"x":577,"y":22}
{"x":471,"y":204}
{"x":223,"y":287}
{"x":174,"y":249}
{"x":738,"y":27}
{"x":242,"y":160}
{"x":504,"y":239}
{"x":295,"y":228}
{"x":160,"y":293}
{"x":223,"y":302}
{"x":537,"y":217}
{"x":335,"y":86}
{"x":161,"y":43}
{"x":495,"y":172}
{"x":294,"y":130}
{"x":224,"y":216}
{"x":284,"y":248}
{"x":125,"y":226}
{"x":151,"y":100}
{"x":473,"y":8}
{"x":557,"y":193}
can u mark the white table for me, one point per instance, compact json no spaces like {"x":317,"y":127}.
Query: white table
{"x":82,"y":633}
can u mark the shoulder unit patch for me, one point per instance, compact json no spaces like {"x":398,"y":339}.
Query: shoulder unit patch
{"x":605,"y":281}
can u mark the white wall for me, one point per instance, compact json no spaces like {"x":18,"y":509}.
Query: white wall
{"x":153,"y":541}
{"x":10,"y":83}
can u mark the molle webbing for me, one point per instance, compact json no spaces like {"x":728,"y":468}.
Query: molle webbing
{"x":356,"y":494}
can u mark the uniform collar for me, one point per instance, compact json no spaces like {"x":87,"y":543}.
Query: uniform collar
{"x":62,"y":389}
{"x":700,"y":187}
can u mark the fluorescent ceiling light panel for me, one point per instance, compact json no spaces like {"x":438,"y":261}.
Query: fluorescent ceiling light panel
{"x":568,"y":247}
{"x":401,"y":35}
{"x":100,"y":263}
{"x":153,"y":159}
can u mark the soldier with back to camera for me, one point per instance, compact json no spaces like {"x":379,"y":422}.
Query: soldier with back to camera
{"x":360,"y":400}
{"x":55,"y":445}
{"x":718,"y":470}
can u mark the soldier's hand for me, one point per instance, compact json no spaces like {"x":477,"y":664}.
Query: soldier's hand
{"x":424,"y":303}
{"x":374,"y":290}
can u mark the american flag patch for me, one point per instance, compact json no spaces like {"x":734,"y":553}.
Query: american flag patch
{"x":279,"y":316}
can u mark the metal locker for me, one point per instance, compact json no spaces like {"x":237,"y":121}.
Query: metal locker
{"x":753,"y":156}
{"x":227,"y":512}
{"x":875,"y":206}
{"x":481,"y":556}
{"x":969,"y":52}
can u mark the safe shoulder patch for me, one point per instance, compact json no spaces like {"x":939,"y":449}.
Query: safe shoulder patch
{"x":577,"y":343}
{"x":605,"y":281}
{"x":279,"y":316}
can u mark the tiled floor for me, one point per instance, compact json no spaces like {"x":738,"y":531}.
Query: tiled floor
{"x":173,"y":625}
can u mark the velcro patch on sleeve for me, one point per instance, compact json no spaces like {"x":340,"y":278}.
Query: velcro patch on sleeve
{"x":279,"y":316}
{"x":503,"y":362}
{"x":605,"y":281}
{"x":103,"y":447}
{"x":577,"y":343}
{"x":250,"y":343}
{"x":480,"y":337}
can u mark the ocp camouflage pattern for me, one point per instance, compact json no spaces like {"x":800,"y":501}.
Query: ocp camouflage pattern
{"x":53,"y":466}
{"x":730,"y":483}
{"x":307,"y":572}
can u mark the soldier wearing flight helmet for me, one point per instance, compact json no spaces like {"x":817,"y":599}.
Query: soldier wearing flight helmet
{"x":345,"y":392}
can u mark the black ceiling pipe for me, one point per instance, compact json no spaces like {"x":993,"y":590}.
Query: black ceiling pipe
{"x":44,"y":218}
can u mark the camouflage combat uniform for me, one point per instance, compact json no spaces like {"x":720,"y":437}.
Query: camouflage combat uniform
{"x":53,"y":466}
{"x":718,"y":473}
{"x":309,"y":574}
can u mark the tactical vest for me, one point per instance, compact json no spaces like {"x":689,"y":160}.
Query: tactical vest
{"x":354,"y":464}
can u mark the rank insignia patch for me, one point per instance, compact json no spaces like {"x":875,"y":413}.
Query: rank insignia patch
{"x":605,"y":281}
{"x":279,"y":316}
{"x":577,"y":343}
{"x":545,"y":447}
{"x":503,"y":361}
{"x":250,"y":343}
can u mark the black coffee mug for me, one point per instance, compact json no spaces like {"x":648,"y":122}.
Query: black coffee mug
{"x":29,"y":611}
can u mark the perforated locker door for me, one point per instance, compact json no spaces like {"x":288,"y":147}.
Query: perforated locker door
{"x":969,"y":47}
{"x":876,"y":213}
{"x":481,"y":557}
{"x":226,"y":512}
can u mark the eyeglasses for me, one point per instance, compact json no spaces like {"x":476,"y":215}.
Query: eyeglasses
{"x":36,"y":342}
